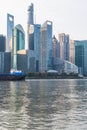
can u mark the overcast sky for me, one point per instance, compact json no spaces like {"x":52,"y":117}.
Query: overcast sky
{"x":68,"y":16}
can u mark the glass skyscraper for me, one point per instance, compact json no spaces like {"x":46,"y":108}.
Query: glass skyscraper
{"x":36,"y":44}
{"x":30,"y":21}
{"x":45,"y":47}
{"x":55,"y":48}
{"x":64,"y":46}
{"x":18,"y":43}
{"x":55,"y":52}
{"x":10,"y":25}
{"x":2,"y":43}
{"x":81,"y":56}
{"x":34,"y":35}
{"x":31,"y":14}
{"x":5,"y":62}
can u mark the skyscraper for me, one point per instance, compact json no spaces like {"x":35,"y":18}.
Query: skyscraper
{"x":34,"y":35}
{"x":55,"y":48}
{"x":64,"y":46}
{"x":81,"y":56}
{"x":45,"y":45}
{"x":55,"y":52}
{"x":2,"y":43}
{"x":18,"y":43}
{"x":72,"y":51}
{"x":30,"y":14}
{"x":22,"y":59}
{"x":5,"y":62}
{"x":10,"y":25}
{"x":36,"y":44}
{"x":30,"y":21}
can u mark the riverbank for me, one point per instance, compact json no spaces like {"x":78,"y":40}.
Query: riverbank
{"x":52,"y":76}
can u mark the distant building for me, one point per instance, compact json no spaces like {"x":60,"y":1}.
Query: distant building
{"x":45,"y":45}
{"x":63,"y":66}
{"x":70,"y":68}
{"x":72,"y":51}
{"x":18,"y":43}
{"x":36,"y":45}
{"x":10,"y":25}
{"x":33,"y":51}
{"x":5,"y":62}
{"x":33,"y":35}
{"x":81,"y":56}
{"x":58,"y":65}
{"x":30,"y":21}
{"x":64,"y":46}
{"x":22,"y":60}
{"x":2,"y":43}
{"x":55,"y":48}
{"x":30,"y":14}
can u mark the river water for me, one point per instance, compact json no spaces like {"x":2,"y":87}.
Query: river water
{"x":58,"y":104}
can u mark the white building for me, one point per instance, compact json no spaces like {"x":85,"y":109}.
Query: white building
{"x":70,"y":68}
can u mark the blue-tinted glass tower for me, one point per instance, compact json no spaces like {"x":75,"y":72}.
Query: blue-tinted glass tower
{"x":2,"y":43}
{"x":18,"y":43}
{"x":10,"y":25}
{"x":30,"y":21}
{"x":33,"y":35}
{"x":81,"y":56}
{"x":45,"y":47}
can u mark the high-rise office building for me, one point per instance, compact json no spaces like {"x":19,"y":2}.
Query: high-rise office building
{"x":31,"y":14}
{"x":18,"y":43}
{"x":34,"y":35}
{"x":31,"y":38}
{"x":22,"y":59}
{"x":30,"y":21}
{"x":36,"y":44}
{"x":81,"y":56}
{"x":10,"y":25}
{"x":5,"y":62}
{"x":2,"y":43}
{"x":55,"y":48}
{"x":55,"y":52}
{"x":64,"y":46}
{"x":45,"y":45}
{"x":72,"y":51}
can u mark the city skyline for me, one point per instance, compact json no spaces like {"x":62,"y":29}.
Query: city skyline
{"x":67,"y":16}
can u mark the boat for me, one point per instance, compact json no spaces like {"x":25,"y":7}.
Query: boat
{"x":12,"y":76}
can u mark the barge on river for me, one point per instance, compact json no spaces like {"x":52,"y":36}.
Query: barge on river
{"x":12,"y":76}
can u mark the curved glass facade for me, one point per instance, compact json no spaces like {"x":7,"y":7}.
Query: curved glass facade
{"x":70,"y":67}
{"x":18,"y":43}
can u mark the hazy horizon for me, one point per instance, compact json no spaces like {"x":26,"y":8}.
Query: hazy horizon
{"x":68,"y":16}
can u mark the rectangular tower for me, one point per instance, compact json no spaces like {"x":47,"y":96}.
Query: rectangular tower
{"x":10,"y":25}
{"x":72,"y":51}
{"x":64,"y":46}
{"x":33,"y":51}
{"x":45,"y":47}
{"x":2,"y":43}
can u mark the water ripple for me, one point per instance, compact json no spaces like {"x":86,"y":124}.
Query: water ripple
{"x":43,"y":105}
